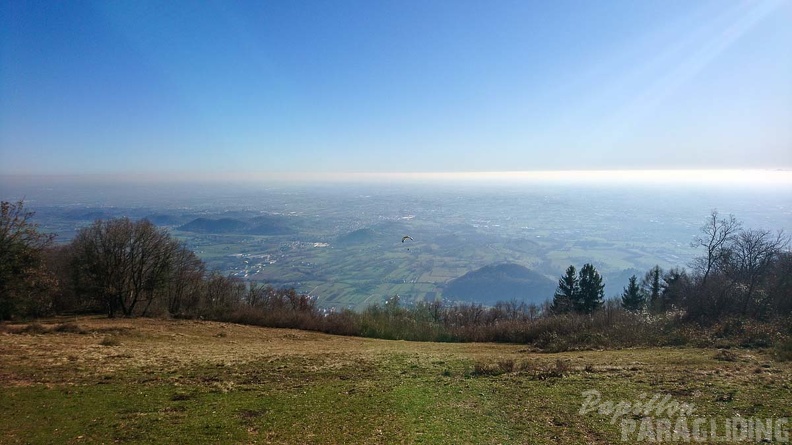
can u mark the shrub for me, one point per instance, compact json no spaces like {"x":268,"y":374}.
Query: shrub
{"x":726,"y":355}
{"x":481,"y":368}
{"x":34,"y":328}
{"x":783,"y":350}
{"x":180,"y":396}
{"x":506,"y":365}
{"x":72,"y":328}
{"x":558,"y":370}
{"x":110,"y":341}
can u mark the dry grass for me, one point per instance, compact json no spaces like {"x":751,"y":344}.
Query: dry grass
{"x":168,"y":344}
{"x":263,"y":385}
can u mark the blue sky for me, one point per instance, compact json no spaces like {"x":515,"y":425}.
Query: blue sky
{"x":221,"y":87}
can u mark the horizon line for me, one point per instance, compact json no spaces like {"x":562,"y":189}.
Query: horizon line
{"x":683,"y":175}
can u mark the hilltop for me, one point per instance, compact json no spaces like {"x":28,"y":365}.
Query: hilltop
{"x":500,"y":282}
{"x":99,"y":380}
{"x":261,"y":225}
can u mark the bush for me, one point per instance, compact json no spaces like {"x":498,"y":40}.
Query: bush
{"x":558,"y":370}
{"x":783,"y":350}
{"x":110,"y":341}
{"x":71,"y":328}
{"x":492,"y":369}
{"x":342,"y":323}
{"x":34,"y":328}
{"x":726,"y":355}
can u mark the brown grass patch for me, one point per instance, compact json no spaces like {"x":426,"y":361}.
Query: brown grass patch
{"x":726,"y":356}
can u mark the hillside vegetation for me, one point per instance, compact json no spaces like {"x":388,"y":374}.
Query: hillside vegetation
{"x":261,"y":225}
{"x":717,"y":337}
{"x":99,"y":380}
{"x":738,"y":293}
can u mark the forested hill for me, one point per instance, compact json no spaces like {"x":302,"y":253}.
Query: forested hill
{"x":262,"y":225}
{"x":360,"y":236}
{"x":501,"y":282}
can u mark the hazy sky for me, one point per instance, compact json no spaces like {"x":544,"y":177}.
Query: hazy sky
{"x":393,"y":86}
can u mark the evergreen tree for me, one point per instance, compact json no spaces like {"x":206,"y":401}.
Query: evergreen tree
{"x":592,"y":291}
{"x":633,"y":298}
{"x":652,"y":285}
{"x":567,"y":294}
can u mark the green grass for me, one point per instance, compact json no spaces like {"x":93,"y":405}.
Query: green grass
{"x":182,"y":382}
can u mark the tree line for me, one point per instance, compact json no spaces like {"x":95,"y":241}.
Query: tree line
{"x":119,"y":267}
{"x":130,"y":268}
{"x":741,"y":272}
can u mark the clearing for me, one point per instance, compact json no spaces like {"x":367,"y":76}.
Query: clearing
{"x":95,"y":380}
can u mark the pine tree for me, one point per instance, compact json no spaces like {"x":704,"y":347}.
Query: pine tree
{"x":633,"y":298}
{"x":592,"y":291}
{"x":567,"y":294}
{"x":653,"y":286}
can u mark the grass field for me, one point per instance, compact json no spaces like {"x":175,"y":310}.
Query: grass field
{"x":94,"y":380}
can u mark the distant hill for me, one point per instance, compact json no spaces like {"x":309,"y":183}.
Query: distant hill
{"x":501,"y":282}
{"x":162,"y":219}
{"x":87,"y":214}
{"x":222,"y":225}
{"x":360,"y":236}
{"x":262,"y":225}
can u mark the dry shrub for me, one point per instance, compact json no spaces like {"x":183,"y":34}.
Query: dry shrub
{"x":725,"y":355}
{"x":110,"y":341}
{"x":506,"y":365}
{"x":179,"y":396}
{"x":342,"y":323}
{"x":526,"y":366}
{"x":71,"y":328}
{"x":783,"y":351}
{"x":117,"y":330}
{"x":34,"y":328}
{"x":11,"y":329}
{"x":482,"y":368}
{"x":558,"y":370}
{"x":494,"y":368}
{"x":562,"y":367}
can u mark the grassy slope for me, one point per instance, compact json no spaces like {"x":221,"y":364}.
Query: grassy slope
{"x":202,"y":382}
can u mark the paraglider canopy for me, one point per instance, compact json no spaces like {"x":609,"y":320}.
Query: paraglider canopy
{"x":407,"y":237}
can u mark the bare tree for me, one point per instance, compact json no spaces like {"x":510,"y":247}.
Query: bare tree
{"x":222,"y":293}
{"x":750,"y":256}
{"x":779,"y":284}
{"x":123,"y":263}
{"x":25,"y":283}
{"x":715,"y":235}
{"x":186,"y":282}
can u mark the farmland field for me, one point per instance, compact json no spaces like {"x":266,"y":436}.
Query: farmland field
{"x":342,"y":243}
{"x":94,"y":380}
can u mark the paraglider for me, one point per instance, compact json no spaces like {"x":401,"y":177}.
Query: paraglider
{"x":407,"y":237}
